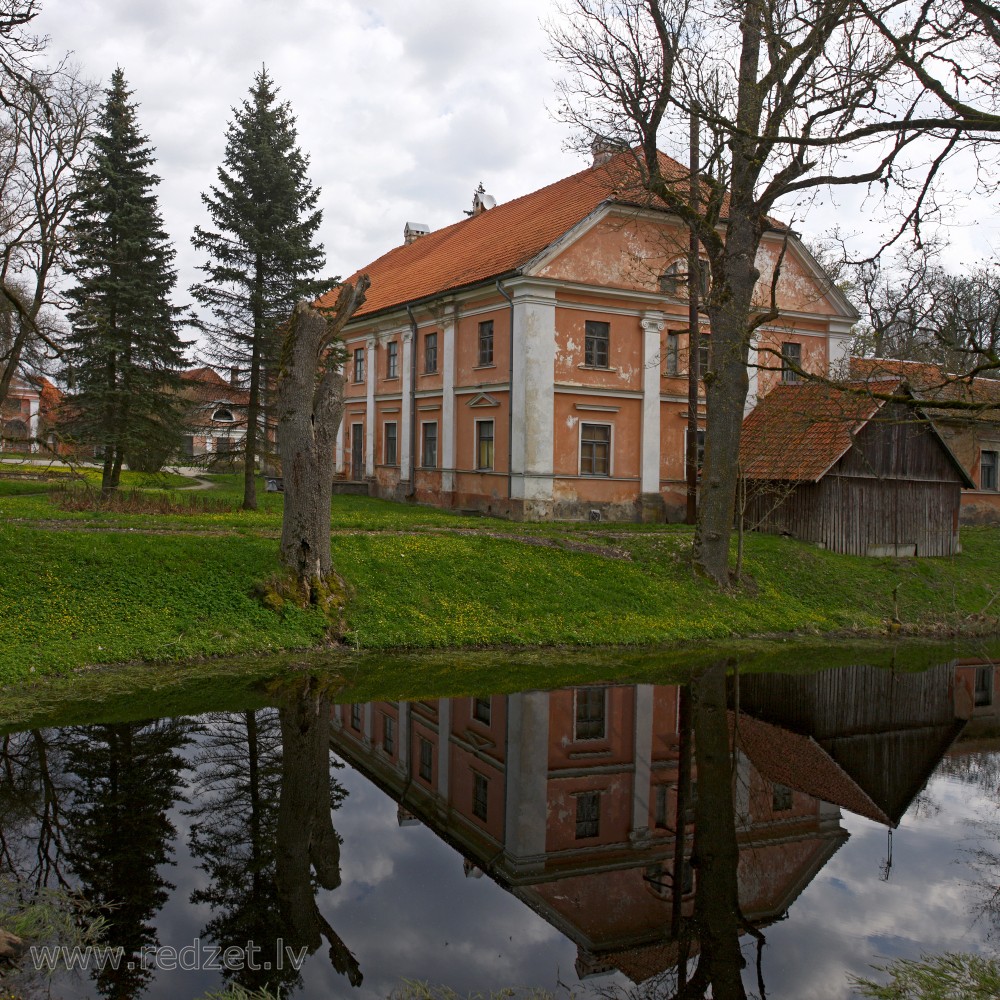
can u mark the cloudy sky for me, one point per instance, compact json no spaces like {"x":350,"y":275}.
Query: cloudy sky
{"x":403,"y":106}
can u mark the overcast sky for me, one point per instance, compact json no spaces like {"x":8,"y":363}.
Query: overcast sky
{"x":403,"y":107}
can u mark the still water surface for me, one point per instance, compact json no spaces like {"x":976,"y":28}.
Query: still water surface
{"x":529,"y":838}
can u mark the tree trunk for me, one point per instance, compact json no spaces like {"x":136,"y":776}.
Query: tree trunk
{"x":716,"y":852}
{"x":306,"y":840}
{"x":727,"y":381}
{"x":726,"y":387}
{"x":309,"y":403}
{"x":250,"y":442}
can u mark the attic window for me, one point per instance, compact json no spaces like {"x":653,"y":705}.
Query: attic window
{"x":674,"y":279}
{"x":223,"y":416}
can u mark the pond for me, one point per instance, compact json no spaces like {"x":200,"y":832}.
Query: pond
{"x":771,"y":832}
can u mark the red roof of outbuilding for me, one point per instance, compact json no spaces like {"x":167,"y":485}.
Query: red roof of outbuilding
{"x":797,"y":432}
{"x":931,"y":382}
{"x":503,"y":239}
{"x":801,"y":763}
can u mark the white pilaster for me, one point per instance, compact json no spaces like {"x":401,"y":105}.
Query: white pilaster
{"x":839,"y":347}
{"x":339,"y":452}
{"x":652,"y":325}
{"x":33,"y":408}
{"x":753,"y":361}
{"x":643,"y":751}
{"x":403,"y":714}
{"x":371,"y":374}
{"x":527,"y":779}
{"x":406,"y":460}
{"x":444,"y":746}
{"x":448,"y":406}
{"x":533,"y":398}
{"x":368,"y":723}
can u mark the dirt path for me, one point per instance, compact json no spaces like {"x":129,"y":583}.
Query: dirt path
{"x":570,"y":544}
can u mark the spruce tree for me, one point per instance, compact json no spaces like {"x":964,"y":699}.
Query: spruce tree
{"x":262,"y":252}
{"x":125,"y":350}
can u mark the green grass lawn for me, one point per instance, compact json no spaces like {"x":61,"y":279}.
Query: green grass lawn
{"x":96,"y":587}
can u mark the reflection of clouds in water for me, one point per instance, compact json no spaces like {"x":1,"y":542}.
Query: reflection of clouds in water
{"x":428,"y":921}
{"x":848,"y":920}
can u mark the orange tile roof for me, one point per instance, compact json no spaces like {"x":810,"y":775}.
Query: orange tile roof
{"x":801,"y":763}
{"x":932,"y":382}
{"x":503,"y":239}
{"x":797,"y":432}
{"x":206,"y":385}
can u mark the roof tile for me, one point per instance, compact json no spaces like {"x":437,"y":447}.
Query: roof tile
{"x":797,"y":432}
{"x":502,"y":239}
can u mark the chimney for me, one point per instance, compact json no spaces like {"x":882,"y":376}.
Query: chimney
{"x":481,"y":201}
{"x":412,"y":231}
{"x":234,"y":376}
{"x":602,"y":150}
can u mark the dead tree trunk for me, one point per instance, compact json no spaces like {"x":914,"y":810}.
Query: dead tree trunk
{"x":310,"y":405}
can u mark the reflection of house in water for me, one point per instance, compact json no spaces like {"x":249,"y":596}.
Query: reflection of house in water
{"x":977,"y":682}
{"x":569,"y":799}
{"x":882,"y":730}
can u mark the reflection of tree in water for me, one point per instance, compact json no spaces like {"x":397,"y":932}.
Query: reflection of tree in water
{"x":981,"y":770}
{"x":238,"y":768}
{"x":264,"y":794}
{"x":709,"y":956}
{"x":125,"y":779}
{"x":33,"y":790}
{"x":306,"y":837}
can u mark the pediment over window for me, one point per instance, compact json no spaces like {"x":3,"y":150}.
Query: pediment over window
{"x":483,"y":399}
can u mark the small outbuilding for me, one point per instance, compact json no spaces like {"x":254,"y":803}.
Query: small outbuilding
{"x":852,"y":473}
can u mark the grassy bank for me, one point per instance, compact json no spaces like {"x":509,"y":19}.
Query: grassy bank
{"x":81,"y":587}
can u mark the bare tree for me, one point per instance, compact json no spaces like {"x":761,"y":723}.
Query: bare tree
{"x":18,"y":47}
{"x":310,"y":404}
{"x":794,"y":96}
{"x":46,"y":139}
{"x":915,"y":310}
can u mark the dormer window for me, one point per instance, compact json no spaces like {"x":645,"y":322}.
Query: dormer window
{"x":223,"y":416}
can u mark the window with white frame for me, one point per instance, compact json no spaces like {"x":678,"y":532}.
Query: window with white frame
{"x":480,"y":795}
{"x":485,"y":352}
{"x":591,"y":713}
{"x":588,"y":815}
{"x":481,"y":710}
{"x":595,"y":449}
{"x":988,"y":470}
{"x":430,"y":353}
{"x":699,"y":448}
{"x":484,"y":444}
{"x":596,"y":343}
{"x":429,"y":445}
{"x":791,"y":362}
{"x":223,"y":416}
{"x":673,"y":366}
{"x":674,"y":280}
{"x":359,"y":364}
{"x":388,"y":734}
{"x":390,"y":453}
{"x":426,"y":766}
{"x":392,"y":359}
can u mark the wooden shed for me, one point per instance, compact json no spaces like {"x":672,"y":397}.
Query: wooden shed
{"x":852,"y":473}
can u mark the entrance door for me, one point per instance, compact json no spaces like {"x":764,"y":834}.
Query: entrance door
{"x":357,"y":452}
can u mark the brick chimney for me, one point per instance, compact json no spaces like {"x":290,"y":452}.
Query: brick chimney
{"x":412,"y":232}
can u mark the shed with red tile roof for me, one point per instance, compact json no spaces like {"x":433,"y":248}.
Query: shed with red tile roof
{"x":968,"y":419}
{"x":859,"y":472}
